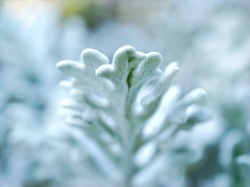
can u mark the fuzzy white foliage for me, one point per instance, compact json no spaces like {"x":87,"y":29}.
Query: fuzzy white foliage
{"x":105,"y":97}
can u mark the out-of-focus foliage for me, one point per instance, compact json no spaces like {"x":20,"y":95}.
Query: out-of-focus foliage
{"x":210,"y":40}
{"x":93,"y":12}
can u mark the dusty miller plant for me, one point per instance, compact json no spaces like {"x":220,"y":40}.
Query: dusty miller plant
{"x":114,"y":103}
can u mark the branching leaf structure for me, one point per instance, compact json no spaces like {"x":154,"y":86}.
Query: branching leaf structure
{"x":113,"y":102}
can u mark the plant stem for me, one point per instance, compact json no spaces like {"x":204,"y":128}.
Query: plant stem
{"x":128,"y":157}
{"x":128,"y":164}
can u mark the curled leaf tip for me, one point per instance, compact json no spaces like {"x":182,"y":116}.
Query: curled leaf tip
{"x":70,"y":67}
{"x":93,"y":58}
{"x":199,"y":93}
